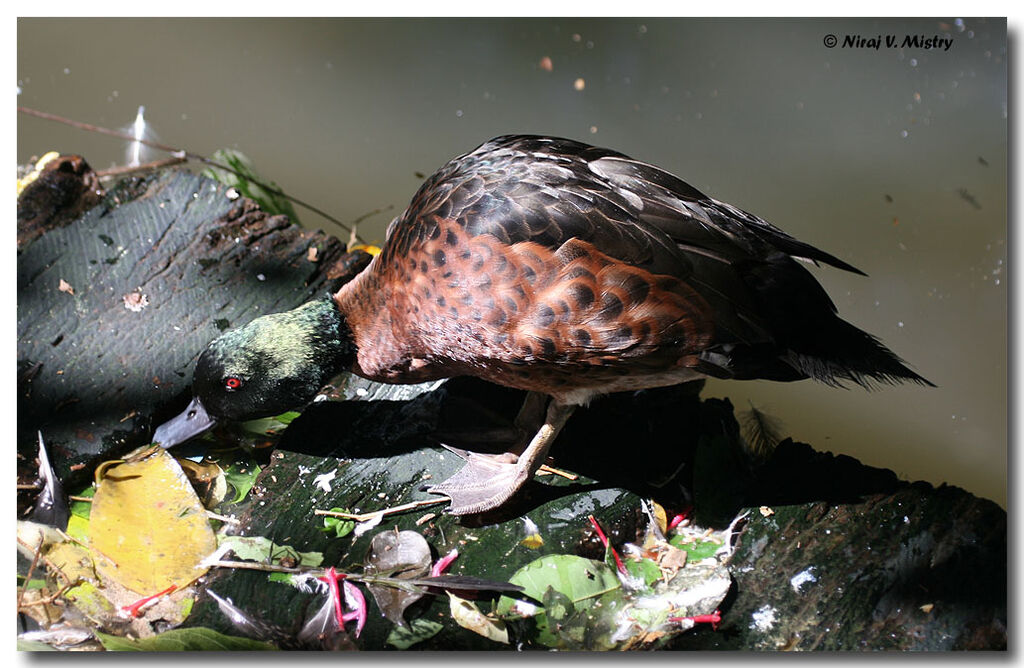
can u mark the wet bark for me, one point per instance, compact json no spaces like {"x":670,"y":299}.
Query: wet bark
{"x":114,"y":308}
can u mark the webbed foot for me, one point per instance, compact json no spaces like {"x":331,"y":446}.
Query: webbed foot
{"x":488,"y":481}
{"x":484,"y":483}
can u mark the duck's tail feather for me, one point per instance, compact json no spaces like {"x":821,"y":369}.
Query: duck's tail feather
{"x":840,"y":352}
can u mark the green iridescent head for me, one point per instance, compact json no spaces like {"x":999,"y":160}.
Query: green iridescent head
{"x":274,"y":363}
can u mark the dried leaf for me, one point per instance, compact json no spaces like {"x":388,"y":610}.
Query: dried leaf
{"x":404,"y":555}
{"x":674,"y":558}
{"x":468,"y":616}
{"x":207,"y":479}
{"x":148,"y":529}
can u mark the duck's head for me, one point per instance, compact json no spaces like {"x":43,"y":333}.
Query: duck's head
{"x":275,"y":363}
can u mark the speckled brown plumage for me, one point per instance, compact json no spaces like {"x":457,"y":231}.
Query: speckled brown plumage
{"x":549,"y":265}
{"x":525,"y":315}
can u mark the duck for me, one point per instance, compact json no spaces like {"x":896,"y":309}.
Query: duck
{"x":559,"y":268}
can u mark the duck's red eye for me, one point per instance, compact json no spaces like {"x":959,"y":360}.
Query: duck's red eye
{"x":232,"y":383}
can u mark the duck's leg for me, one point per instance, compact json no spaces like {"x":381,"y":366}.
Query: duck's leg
{"x":486,"y":482}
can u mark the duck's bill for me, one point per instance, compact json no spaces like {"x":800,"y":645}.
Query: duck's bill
{"x":193,"y":421}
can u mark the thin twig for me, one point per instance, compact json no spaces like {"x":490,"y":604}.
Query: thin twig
{"x":49,"y":564}
{"x":146,"y":166}
{"x":372,"y":213}
{"x":49,"y":599}
{"x":178,"y":153}
{"x":257,"y":566}
{"x":31,"y":568}
{"x":386,"y":511}
{"x":544,"y":468}
{"x":222,"y":518}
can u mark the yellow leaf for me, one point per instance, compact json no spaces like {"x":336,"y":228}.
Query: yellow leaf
{"x":40,"y":164}
{"x":660,"y":516}
{"x":148,"y":529}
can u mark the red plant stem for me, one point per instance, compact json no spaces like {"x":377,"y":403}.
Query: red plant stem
{"x":443,"y":563}
{"x":714,"y":618}
{"x":604,"y":541}
{"x":357,"y":601}
{"x":680,"y":517}
{"x":135,"y":608}
{"x":331,"y":577}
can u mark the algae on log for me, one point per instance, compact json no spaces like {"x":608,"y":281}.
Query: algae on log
{"x":114,"y":308}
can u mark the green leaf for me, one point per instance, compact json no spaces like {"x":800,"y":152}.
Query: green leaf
{"x":241,"y":475}
{"x":267,"y":426}
{"x":287,"y":417}
{"x":183,"y":640}
{"x":246,"y":181}
{"x":31,"y":584}
{"x":83,"y":508}
{"x":34,"y":646}
{"x":645,"y":569}
{"x":701,"y":549}
{"x":341,"y":527}
{"x":284,"y":578}
{"x":576,"y":577}
{"x":78,"y":523}
{"x":264,"y":550}
{"x":572,"y":584}
{"x":417,"y":631}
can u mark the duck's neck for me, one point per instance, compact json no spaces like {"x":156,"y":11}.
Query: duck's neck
{"x":380,"y":350}
{"x":333,"y":340}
